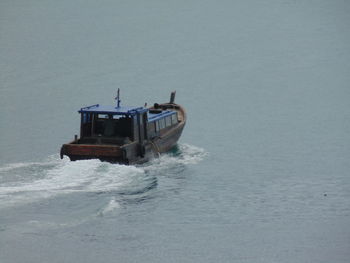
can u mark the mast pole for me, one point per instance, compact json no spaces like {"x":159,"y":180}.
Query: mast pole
{"x":118,"y":98}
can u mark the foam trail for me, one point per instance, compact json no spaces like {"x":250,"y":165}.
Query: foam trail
{"x":181,"y":156}
{"x":110,"y":207}
{"x":63,"y":178}
{"x":21,"y":183}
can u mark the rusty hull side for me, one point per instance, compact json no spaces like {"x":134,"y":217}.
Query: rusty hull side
{"x":81,"y":151}
{"x":110,"y":153}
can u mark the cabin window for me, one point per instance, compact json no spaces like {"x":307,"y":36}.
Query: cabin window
{"x":86,"y":118}
{"x":157,"y":126}
{"x":102,"y":116}
{"x":106,"y":116}
{"x":168,"y":121}
{"x":109,"y":125}
{"x":86,"y":123}
{"x":174,"y":118}
{"x":161,"y":124}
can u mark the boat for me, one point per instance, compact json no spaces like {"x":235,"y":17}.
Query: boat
{"x":126,"y":134}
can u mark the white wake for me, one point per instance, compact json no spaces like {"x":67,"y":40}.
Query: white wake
{"x":25,"y":182}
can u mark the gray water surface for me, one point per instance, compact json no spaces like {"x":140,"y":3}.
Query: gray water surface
{"x":261,"y":173}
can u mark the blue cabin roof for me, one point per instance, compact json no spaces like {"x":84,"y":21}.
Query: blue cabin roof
{"x":126,"y":110}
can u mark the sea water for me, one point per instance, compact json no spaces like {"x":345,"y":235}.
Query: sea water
{"x":261,"y":172}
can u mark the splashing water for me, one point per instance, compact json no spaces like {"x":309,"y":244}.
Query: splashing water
{"x":21,"y":183}
{"x":111,"y":206}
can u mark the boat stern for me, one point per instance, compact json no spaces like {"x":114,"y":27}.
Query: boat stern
{"x":124,"y":154}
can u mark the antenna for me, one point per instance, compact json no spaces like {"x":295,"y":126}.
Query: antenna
{"x":118,"y":98}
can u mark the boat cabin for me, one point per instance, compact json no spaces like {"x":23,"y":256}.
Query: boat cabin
{"x":123,"y":125}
